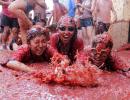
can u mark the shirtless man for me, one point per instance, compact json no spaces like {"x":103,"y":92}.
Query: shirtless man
{"x":102,"y":14}
{"x":21,"y":8}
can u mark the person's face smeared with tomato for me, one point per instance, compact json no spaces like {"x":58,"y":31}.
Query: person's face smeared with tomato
{"x":37,"y":40}
{"x":101,"y":49}
{"x":66,"y":29}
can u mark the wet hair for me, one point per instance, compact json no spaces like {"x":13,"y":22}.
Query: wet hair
{"x":71,"y":52}
{"x":66,"y":19}
{"x":103,"y":38}
{"x":35,"y":31}
{"x":107,"y":40}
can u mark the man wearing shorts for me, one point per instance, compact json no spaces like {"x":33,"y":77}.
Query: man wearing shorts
{"x":102,"y":15}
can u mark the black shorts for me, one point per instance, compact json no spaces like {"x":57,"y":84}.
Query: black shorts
{"x":7,"y":21}
{"x":102,"y":27}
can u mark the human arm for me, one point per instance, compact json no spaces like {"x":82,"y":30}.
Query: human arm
{"x":93,"y":5}
{"x":17,"y":59}
{"x":53,"y":40}
{"x":94,"y":8}
{"x":78,"y":9}
{"x":17,"y":8}
{"x":16,"y":65}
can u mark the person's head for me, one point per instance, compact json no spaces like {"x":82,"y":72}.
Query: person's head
{"x":37,"y":40}
{"x":101,"y":48}
{"x":67,"y":29}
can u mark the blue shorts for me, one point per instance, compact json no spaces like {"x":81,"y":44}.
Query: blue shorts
{"x":86,"y":22}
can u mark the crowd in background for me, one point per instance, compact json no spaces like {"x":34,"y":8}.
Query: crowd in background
{"x":90,"y":16}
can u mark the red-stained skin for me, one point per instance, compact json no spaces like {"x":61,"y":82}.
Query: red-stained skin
{"x":17,"y":85}
{"x":66,"y":35}
{"x":38,"y":45}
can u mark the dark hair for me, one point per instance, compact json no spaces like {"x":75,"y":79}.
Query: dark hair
{"x":103,"y":38}
{"x":107,"y":40}
{"x":36,"y":31}
{"x":70,"y":51}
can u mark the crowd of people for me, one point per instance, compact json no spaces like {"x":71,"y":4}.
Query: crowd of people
{"x":38,"y":40}
{"x":91,"y":19}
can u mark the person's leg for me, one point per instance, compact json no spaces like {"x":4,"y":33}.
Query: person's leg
{"x":15,"y":29}
{"x":5,"y":36}
{"x":23,"y":31}
{"x":14,"y":38}
{"x":14,"y":34}
{"x":84,"y":30}
{"x":88,"y":23}
{"x":84,"y":35}
{"x":90,"y":29}
{"x":1,"y":31}
{"x":97,"y":30}
{"x":6,"y":25}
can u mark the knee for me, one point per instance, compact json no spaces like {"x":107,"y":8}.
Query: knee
{"x":14,"y":30}
{"x":6,"y":30}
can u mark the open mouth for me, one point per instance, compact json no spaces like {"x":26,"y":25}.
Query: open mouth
{"x":66,"y":37}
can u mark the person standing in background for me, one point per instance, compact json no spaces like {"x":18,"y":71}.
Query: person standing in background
{"x":21,"y":9}
{"x":86,"y":20}
{"x":8,"y":21}
{"x":102,"y":15}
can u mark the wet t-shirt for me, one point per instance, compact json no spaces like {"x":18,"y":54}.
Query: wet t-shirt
{"x":77,"y":45}
{"x":24,"y":54}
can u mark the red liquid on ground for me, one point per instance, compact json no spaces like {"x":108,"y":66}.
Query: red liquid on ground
{"x":16,"y":85}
